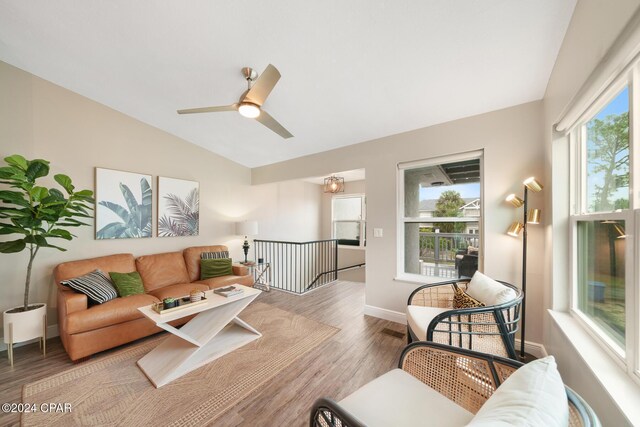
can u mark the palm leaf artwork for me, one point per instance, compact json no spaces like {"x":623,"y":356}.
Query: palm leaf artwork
{"x":135,"y":218}
{"x":181,"y":215}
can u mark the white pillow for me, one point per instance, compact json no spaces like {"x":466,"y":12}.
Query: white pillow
{"x":534,"y":395}
{"x":488,"y":291}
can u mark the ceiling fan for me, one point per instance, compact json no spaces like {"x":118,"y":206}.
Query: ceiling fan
{"x":250,"y":103}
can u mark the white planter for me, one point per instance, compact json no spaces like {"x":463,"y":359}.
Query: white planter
{"x":25,"y":325}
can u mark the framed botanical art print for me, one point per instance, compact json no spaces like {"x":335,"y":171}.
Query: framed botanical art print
{"x":123,"y":204}
{"x":178,"y":207}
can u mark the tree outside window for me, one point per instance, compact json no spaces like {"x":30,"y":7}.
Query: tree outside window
{"x":608,"y":157}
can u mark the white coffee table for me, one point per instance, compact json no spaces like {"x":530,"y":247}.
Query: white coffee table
{"x":213,"y":332}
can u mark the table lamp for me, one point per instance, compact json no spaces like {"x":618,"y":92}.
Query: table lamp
{"x":246,"y":228}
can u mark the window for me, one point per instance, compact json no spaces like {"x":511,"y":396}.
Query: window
{"x":439,"y":207}
{"x":602,"y":223}
{"x":348,"y":215}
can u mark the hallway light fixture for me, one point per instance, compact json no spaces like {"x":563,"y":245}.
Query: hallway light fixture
{"x":333,"y":184}
{"x":531,"y":216}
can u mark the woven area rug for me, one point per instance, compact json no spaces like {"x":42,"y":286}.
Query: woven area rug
{"x":112,"y":390}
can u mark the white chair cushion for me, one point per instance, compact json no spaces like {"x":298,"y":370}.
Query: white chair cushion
{"x":489,"y":291}
{"x":400,"y":400}
{"x":419,"y":317}
{"x":534,"y":395}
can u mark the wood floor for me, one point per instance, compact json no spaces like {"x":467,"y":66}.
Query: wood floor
{"x":365,"y":348}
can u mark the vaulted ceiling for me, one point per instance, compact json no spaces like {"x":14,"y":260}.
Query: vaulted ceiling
{"x":351,"y":70}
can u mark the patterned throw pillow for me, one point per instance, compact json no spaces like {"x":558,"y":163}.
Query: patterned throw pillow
{"x":462,"y":300}
{"x":214,"y":255}
{"x":95,"y":285}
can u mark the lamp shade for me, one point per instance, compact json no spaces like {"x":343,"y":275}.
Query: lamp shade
{"x":533,"y":216}
{"x":515,"y":200}
{"x":533,"y":184}
{"x":247,"y":228}
{"x":515,"y":229}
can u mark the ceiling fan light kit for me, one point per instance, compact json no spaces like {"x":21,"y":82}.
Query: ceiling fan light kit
{"x":249,"y":110}
{"x":250,"y":103}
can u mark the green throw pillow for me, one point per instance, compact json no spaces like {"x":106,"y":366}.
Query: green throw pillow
{"x":127,"y":283}
{"x":215,"y":268}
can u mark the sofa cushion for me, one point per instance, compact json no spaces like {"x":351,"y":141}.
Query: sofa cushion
{"x":160,"y":270}
{"x":400,"y":400}
{"x":95,"y":285}
{"x":112,"y":312}
{"x":127,"y":283}
{"x":121,"y":263}
{"x":192,"y":259}
{"x":489,"y":291}
{"x":210,"y":268}
{"x":218,"y":282}
{"x":178,"y":291}
{"x":419,"y":317}
{"x":534,"y":395}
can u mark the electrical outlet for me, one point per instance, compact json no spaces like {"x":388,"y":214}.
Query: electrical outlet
{"x":377,"y":232}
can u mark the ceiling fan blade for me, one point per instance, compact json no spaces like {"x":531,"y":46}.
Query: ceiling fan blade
{"x":233,"y":107}
{"x":263,"y":86}
{"x":272,"y":124}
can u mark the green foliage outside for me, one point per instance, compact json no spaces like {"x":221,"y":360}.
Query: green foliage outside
{"x":448,"y":205}
{"x":38,"y":214}
{"x":609,"y":156}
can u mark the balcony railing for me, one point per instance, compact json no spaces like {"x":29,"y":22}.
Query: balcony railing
{"x":438,"y":252}
{"x":299,"y":267}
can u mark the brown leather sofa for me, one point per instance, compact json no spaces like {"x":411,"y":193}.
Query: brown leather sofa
{"x":86,"y":330}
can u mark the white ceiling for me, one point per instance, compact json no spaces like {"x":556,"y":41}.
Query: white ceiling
{"x":351,"y":70}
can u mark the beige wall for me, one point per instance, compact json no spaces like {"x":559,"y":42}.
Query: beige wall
{"x":512,"y":141}
{"x":289,"y":210}
{"x":594,"y":27}
{"x":346,"y":256}
{"x":40,"y":119}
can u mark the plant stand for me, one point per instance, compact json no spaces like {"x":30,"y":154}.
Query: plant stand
{"x":24,"y":326}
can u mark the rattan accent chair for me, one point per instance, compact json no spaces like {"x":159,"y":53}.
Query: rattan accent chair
{"x":465,"y":377}
{"x":488,"y":329}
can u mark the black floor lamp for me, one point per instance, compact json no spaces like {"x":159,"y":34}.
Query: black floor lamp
{"x":531,"y":216}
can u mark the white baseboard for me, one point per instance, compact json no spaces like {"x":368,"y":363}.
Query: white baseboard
{"x":383,"y":313}
{"x":533,"y":348}
{"x":52,"y":331}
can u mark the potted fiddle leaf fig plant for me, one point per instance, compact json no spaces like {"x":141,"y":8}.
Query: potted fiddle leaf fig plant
{"x":37,"y":215}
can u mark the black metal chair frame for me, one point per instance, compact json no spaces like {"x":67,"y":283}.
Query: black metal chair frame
{"x":453,"y":323}
{"x":328,"y":413}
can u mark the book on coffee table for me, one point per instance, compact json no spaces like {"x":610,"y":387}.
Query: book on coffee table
{"x":228,"y":291}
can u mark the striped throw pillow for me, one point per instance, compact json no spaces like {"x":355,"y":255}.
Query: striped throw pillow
{"x":214,"y":255}
{"x":95,"y":285}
